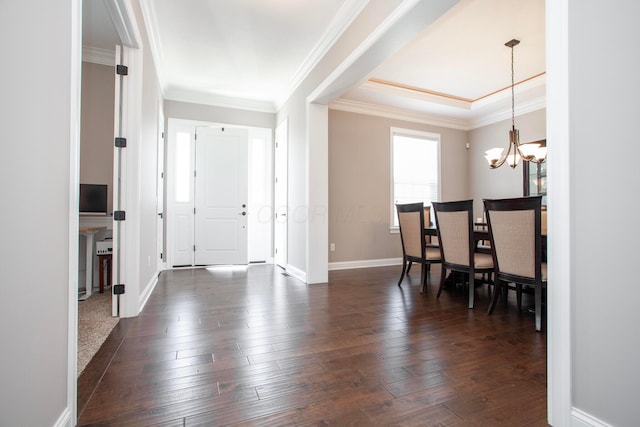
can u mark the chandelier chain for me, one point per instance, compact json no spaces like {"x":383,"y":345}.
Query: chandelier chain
{"x":513,"y":102}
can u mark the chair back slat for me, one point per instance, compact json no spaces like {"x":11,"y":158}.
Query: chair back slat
{"x":515,"y":226}
{"x":411,"y":233}
{"x":514,"y":241}
{"x":453,"y":229}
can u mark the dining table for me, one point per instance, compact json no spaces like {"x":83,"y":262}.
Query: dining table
{"x":481,"y":234}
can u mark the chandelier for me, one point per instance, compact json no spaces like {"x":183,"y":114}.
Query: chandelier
{"x":532,"y":152}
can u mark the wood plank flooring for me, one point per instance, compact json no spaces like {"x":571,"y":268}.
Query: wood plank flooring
{"x":253,"y":346}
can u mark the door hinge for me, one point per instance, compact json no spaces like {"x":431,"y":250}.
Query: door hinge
{"x":119,"y":215}
{"x":121,"y":142}
{"x":162,"y":135}
{"x":118,"y":289}
{"x":122,"y":70}
{"x":194,"y":248}
{"x":161,"y":256}
{"x":162,"y":175}
{"x":194,"y":211}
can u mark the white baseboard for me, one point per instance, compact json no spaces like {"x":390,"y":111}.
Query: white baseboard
{"x":64,"y":420}
{"x":346,"y":265}
{"x":580,"y":418}
{"x":296,"y":272}
{"x":146,"y":293}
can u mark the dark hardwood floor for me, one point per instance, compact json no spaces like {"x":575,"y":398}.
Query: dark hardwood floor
{"x":256,"y":347}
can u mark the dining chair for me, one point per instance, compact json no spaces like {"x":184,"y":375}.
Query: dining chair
{"x":515,"y":229}
{"x":454,"y":223}
{"x":411,"y":220}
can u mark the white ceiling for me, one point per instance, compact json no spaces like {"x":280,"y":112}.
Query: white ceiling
{"x":255,"y":52}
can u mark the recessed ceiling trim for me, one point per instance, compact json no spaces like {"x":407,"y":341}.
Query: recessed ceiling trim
{"x":398,"y":114}
{"x":518,"y":83}
{"x":421,"y":90}
{"x":433,"y":93}
{"x":521,"y":87}
{"x":345,"y":16}
{"x":404,"y":91}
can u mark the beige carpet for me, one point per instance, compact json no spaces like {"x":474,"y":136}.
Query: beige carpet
{"x":94,"y":325}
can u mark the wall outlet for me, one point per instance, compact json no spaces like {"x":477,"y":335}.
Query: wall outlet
{"x":332,"y":247}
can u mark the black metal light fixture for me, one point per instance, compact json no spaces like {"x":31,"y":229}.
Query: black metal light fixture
{"x":529,"y":152}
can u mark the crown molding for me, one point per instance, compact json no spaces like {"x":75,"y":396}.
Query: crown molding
{"x":321,"y":90}
{"x":398,"y":114}
{"x":215,"y":100}
{"x":151,"y":21}
{"x":432,"y":119}
{"x":339,"y":24}
{"x":522,"y":108}
{"x":98,"y":56}
{"x":124,"y":22}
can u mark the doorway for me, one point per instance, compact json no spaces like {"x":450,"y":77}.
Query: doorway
{"x":215,"y":201}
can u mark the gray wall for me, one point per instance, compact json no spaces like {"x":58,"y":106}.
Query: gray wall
{"x":148,"y":257}
{"x":38,"y":144}
{"x":360,"y":185}
{"x":295,"y":109}
{"x":486,"y":183}
{"x":605,"y":182}
{"x":207,"y":113}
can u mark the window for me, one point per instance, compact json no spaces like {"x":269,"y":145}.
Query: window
{"x":415,"y":169}
{"x":183,"y":167}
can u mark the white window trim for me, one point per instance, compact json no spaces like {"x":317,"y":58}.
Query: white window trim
{"x":411,"y":133}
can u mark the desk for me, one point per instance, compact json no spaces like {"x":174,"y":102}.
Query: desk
{"x":89,"y":233}
{"x":102,"y":260}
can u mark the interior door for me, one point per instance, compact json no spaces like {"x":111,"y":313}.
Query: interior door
{"x":221,"y":195}
{"x":160,"y":252}
{"x":280,"y":194}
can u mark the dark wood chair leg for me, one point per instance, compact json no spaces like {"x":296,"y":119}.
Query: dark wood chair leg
{"x":423,"y":277}
{"x":404,"y":269}
{"x":409,"y":267}
{"x":497,"y":290}
{"x":442,"y":279}
{"x":519,"y":295}
{"x":538,"y":308}
{"x":472,"y":289}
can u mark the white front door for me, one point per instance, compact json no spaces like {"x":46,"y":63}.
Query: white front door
{"x":220,"y":225}
{"x":280,"y":195}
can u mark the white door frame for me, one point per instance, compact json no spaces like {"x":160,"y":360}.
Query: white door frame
{"x":173,"y":126}
{"x":280,"y":213}
{"x":160,"y":190}
{"x":125,"y":25}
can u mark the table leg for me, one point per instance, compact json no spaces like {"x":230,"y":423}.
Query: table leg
{"x":89,"y":265}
